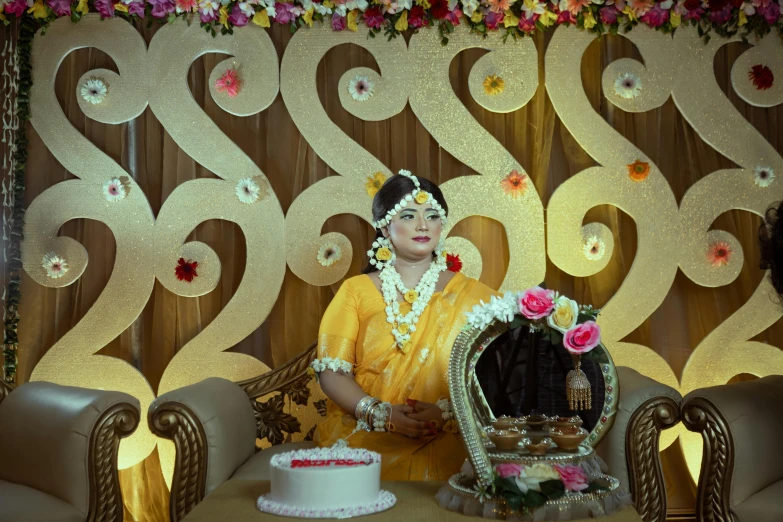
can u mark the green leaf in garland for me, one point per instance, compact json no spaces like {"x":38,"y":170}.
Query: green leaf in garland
{"x":534,"y":499}
{"x":514,"y":501}
{"x":507,"y":485}
{"x":597,"y":485}
{"x":552,"y":489}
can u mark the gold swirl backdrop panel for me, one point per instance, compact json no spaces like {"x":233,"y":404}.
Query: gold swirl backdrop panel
{"x":411,"y":79}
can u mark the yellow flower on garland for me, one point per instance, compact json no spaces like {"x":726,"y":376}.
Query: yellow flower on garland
{"x":675,"y":19}
{"x":477,"y":16}
{"x":403,"y":328}
{"x":374,"y":183}
{"x":311,"y":372}
{"x":223,"y":16}
{"x":402,"y":22}
{"x":589,"y":20}
{"x":39,"y":10}
{"x":261,"y":18}
{"x":82,"y":8}
{"x":308,"y":16}
{"x":328,"y":3}
{"x":383,"y":254}
{"x":422,"y":197}
{"x":548,"y":18}
{"x":494,"y":84}
{"x":629,"y":13}
{"x":411,"y":296}
{"x":451,"y":426}
{"x":424,"y":3}
{"x":2,"y":17}
{"x":511,"y":20}
{"x":350,"y":21}
{"x":743,"y":18}
{"x":119,"y":6}
{"x":407,"y":347}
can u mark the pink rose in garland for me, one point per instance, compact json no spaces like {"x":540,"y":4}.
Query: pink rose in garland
{"x":574,"y":477}
{"x":454,"y":16}
{"x":105,"y":8}
{"x":493,"y":20}
{"x":17,"y":7}
{"x":417,"y":17}
{"x":237,"y":16}
{"x":373,"y":18}
{"x":508,"y":470}
{"x":60,"y":7}
{"x":338,"y":22}
{"x":162,"y":8}
{"x":536,"y":302}
{"x":582,"y":338}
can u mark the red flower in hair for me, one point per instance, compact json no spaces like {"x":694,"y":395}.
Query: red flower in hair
{"x":186,"y":270}
{"x":761,"y":76}
{"x":453,"y":263}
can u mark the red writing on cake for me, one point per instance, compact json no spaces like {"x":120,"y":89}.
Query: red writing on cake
{"x":307,"y":463}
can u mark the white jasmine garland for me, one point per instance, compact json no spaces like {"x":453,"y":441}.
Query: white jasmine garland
{"x":391,"y":283}
{"x":431,"y":201}
{"x":381,"y":242}
{"x":445,"y":406}
{"x":328,"y":363}
{"x":502,"y":308}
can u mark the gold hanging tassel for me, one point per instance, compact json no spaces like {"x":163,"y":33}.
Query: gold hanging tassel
{"x":578,"y":390}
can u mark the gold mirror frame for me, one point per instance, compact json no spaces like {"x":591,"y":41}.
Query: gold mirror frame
{"x":472,"y":410}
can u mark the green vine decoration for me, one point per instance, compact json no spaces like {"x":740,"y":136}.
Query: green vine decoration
{"x":13,"y":294}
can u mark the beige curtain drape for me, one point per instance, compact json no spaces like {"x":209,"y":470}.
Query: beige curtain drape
{"x":533,"y":134}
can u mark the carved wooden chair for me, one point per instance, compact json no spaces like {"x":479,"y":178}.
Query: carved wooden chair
{"x":214,"y":428}
{"x":742,"y":468}
{"x":58,"y":452}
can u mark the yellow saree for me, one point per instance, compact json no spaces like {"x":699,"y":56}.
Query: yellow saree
{"x":354,"y":329}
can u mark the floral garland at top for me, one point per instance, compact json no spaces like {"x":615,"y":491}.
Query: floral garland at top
{"x":515,"y":18}
{"x":560,"y":319}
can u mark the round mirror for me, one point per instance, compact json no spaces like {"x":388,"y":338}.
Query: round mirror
{"x":522,"y":373}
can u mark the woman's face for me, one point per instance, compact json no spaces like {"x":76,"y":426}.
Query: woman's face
{"x":415,"y":231}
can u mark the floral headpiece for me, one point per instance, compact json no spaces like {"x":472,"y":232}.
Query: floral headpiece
{"x":418,"y":195}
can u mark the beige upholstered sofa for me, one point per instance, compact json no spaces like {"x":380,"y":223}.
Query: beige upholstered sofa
{"x":742,"y":469}
{"x":58,"y":452}
{"x":214,"y":425}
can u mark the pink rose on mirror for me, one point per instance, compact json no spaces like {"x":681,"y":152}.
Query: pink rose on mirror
{"x":536,"y":302}
{"x":508,"y":470}
{"x":574,"y":477}
{"x":582,"y":338}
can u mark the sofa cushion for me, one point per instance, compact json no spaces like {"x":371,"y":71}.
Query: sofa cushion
{"x":257,"y":466}
{"x":764,"y":506}
{"x":22,"y":504}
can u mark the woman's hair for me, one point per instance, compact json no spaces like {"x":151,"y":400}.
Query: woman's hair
{"x":391,"y":193}
{"x":771,"y":240}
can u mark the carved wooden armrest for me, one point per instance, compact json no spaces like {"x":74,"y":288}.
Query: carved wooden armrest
{"x":645,"y":475}
{"x":175,"y":421}
{"x":290,"y":379}
{"x":5,"y":389}
{"x":717,"y":464}
{"x":105,"y":498}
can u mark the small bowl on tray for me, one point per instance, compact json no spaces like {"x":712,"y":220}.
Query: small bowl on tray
{"x":506,"y":423}
{"x":505,"y":439}
{"x":563,"y":422}
{"x":569,"y":438}
{"x":536,"y":422}
{"x":540,"y":448}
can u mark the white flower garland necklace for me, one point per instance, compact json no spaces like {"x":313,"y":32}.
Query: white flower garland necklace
{"x":403,"y":325}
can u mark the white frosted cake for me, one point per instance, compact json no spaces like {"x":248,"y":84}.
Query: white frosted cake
{"x":336,"y":482}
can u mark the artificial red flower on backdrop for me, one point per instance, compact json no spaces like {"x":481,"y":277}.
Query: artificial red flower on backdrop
{"x":761,"y":76}
{"x":186,"y":270}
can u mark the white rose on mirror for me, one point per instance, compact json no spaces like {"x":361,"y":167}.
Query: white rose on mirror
{"x":531,"y":477}
{"x":564,"y":314}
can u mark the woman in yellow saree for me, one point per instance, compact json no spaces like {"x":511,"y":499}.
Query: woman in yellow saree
{"x":385,"y":340}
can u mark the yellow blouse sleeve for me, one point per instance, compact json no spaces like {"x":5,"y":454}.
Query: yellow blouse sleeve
{"x":340,"y":326}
